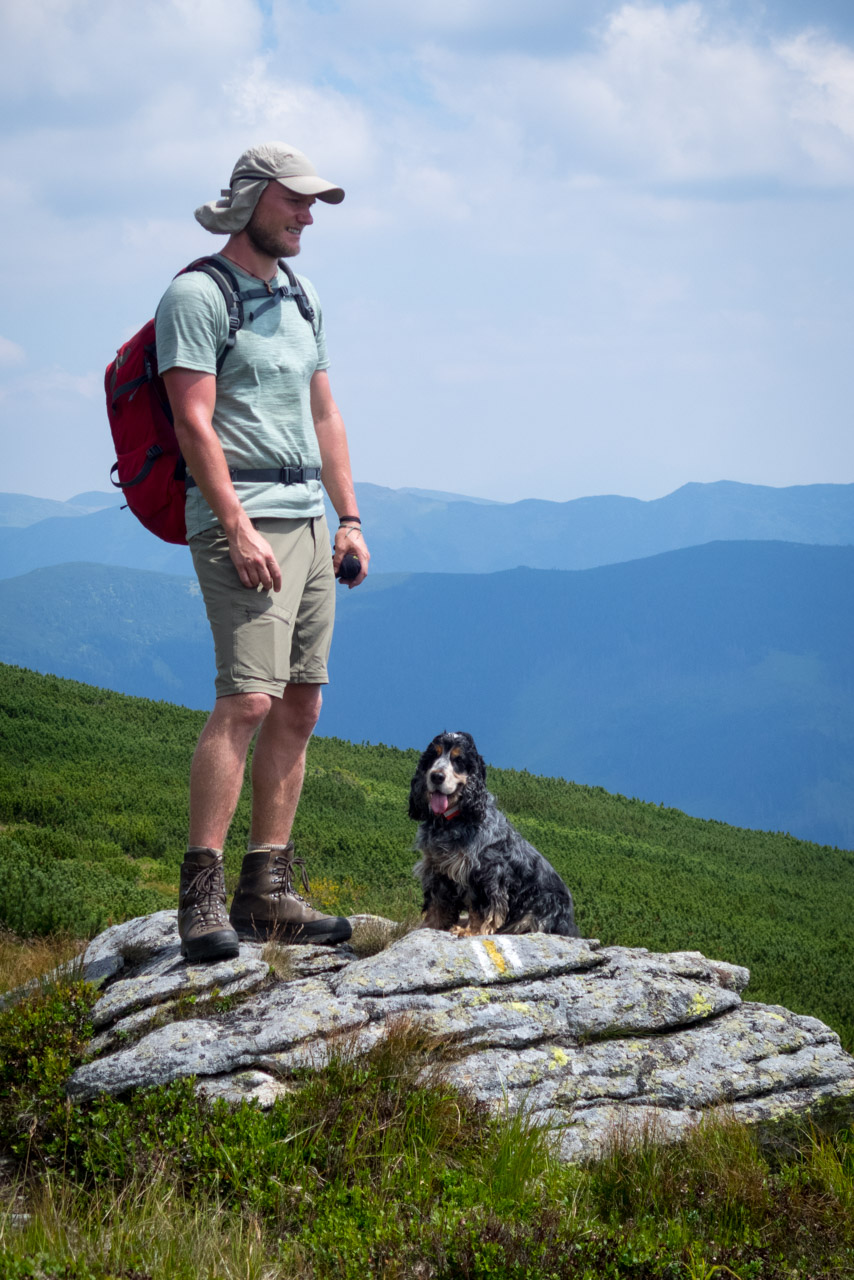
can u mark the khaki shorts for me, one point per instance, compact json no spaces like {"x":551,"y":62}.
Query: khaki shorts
{"x":267,"y":639}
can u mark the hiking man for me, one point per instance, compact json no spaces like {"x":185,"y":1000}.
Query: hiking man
{"x":256,"y":438}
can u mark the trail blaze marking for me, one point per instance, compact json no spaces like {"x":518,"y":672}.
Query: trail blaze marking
{"x":509,"y":949}
{"x":483,"y":958}
{"x":495,"y":955}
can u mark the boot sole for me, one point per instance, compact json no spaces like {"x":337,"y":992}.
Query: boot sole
{"x":339,"y":929}
{"x":212,"y":946}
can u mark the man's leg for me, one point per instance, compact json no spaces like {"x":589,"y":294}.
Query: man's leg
{"x":266,"y":904}
{"x":216,"y":774}
{"x":278,"y":763}
{"x":216,"y":777}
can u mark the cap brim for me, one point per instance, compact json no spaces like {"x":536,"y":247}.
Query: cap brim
{"x":314,"y":187}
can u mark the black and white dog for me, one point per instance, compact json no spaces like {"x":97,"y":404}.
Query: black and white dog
{"x":472,"y":858}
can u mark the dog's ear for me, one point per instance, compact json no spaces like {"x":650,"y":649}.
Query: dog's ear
{"x":418,"y":795}
{"x":473,"y":800}
{"x":475,"y":763}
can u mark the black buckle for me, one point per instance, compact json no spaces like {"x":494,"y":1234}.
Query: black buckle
{"x":290,"y":475}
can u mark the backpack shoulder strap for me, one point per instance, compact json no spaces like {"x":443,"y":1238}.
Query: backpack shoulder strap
{"x":227,"y":283}
{"x":306,"y":310}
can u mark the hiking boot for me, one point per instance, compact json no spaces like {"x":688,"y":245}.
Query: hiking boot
{"x":202,"y":919}
{"x":266,"y":905}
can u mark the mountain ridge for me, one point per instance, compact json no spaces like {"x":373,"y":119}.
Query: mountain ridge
{"x":416,"y":530}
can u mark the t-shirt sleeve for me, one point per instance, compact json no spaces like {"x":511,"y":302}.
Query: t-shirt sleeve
{"x":320,"y":336}
{"x":191,"y":324}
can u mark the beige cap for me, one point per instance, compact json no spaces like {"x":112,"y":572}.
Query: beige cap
{"x":268,"y":162}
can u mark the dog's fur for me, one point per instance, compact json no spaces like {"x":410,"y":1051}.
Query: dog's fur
{"x":472,"y":858}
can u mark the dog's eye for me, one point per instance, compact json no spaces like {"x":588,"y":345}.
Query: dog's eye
{"x":456,"y":752}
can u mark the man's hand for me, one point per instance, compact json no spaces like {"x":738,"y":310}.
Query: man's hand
{"x":337,"y":476}
{"x":349,"y":541}
{"x":253,"y":557}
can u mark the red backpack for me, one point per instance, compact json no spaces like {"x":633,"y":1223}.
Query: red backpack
{"x":151,"y":471}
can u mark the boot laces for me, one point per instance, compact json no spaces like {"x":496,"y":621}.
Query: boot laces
{"x":204,"y":892}
{"x":283,"y":865}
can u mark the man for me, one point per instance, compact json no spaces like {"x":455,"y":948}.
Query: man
{"x":259,"y":542}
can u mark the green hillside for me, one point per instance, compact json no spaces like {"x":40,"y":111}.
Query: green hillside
{"x":93,"y":812}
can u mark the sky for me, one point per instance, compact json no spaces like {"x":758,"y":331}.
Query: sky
{"x":586,"y":248}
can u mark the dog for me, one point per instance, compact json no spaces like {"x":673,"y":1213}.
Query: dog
{"x":472,"y":858}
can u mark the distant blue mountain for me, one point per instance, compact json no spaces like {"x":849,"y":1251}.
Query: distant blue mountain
{"x":108,"y":537}
{"x":140,"y":633}
{"x":717,"y":679}
{"x":20,"y":510}
{"x":418,"y":531}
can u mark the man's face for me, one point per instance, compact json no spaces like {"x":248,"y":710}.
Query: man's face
{"x":278,"y":221}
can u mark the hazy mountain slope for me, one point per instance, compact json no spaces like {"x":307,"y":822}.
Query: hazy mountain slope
{"x":417,"y":531}
{"x":20,"y":510}
{"x":585,"y":533}
{"x":137,"y":632}
{"x":718,"y":679}
{"x":109,"y":537}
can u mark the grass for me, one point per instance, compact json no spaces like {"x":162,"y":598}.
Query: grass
{"x":373,"y":935}
{"x":375,"y":1167}
{"x":24,"y":960}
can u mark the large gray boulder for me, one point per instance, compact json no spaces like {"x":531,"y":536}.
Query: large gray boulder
{"x":585,"y":1038}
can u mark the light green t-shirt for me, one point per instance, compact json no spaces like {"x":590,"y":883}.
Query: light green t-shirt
{"x":263,"y":411}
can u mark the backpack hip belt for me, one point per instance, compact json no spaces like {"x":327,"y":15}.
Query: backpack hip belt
{"x":268,"y":475}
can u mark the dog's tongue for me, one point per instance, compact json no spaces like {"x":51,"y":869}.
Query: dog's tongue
{"x":438,"y":802}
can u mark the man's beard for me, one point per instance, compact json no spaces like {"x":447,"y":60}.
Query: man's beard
{"x":265,"y":240}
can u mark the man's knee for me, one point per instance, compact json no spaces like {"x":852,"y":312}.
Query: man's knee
{"x":243,"y":712}
{"x":300,"y":708}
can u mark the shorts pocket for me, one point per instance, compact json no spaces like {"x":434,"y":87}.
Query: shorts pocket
{"x":262,"y":638}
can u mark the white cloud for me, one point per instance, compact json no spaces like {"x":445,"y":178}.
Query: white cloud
{"x":11,"y":353}
{"x":86,"y":50}
{"x":663,"y":97}
{"x":822,"y":109}
{"x":56,"y":384}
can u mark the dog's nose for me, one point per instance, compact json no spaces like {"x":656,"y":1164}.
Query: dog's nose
{"x":438,"y":775}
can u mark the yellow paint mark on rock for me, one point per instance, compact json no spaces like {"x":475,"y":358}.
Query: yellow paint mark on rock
{"x":495,"y":955}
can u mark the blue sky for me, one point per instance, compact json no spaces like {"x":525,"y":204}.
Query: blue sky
{"x":586,"y":247}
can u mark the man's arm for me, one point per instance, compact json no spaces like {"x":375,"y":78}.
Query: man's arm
{"x":337,"y":477}
{"x":192,"y":396}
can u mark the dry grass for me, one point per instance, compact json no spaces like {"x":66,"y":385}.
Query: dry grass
{"x":24,"y":960}
{"x":373,"y":934}
{"x":280,"y":959}
{"x":147,"y":1223}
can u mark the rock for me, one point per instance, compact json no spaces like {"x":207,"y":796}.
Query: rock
{"x":129,"y":943}
{"x":428,"y":960}
{"x":167,"y":976}
{"x":244,"y":1086}
{"x":588,"y":1039}
{"x":364,"y":919}
{"x":276,"y":1019}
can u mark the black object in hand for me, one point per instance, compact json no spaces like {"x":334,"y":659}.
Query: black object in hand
{"x":349,"y":568}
